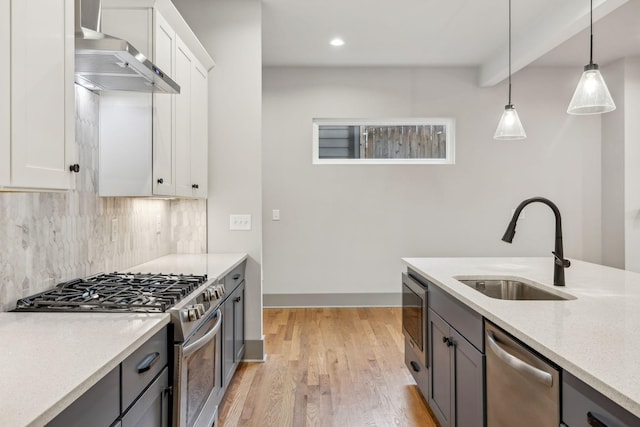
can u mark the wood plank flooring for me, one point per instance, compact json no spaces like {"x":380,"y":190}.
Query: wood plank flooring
{"x":327,"y":367}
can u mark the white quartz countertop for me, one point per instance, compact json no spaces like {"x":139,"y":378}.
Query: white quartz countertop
{"x":213,"y":265}
{"x":595,"y":336}
{"x":48,"y":360}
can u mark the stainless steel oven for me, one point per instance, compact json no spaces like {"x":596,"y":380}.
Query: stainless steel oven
{"x":197,"y":371}
{"x":414,"y":318}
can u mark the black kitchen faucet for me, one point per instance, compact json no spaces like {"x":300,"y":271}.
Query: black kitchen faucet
{"x":560,"y":263}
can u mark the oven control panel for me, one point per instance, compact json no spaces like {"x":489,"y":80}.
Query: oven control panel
{"x":214,"y":292}
{"x":202,"y":303}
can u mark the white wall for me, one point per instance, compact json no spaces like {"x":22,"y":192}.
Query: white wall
{"x":343,"y":229}
{"x":613,"y":171}
{"x":230,"y":30}
{"x":620,"y":167}
{"x":632,"y":164}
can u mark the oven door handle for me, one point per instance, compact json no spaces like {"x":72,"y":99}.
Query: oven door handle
{"x":206,"y":338}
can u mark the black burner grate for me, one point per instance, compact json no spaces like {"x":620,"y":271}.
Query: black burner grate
{"x":136,"y":292}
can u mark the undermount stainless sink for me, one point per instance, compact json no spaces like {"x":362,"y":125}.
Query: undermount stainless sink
{"x":512,"y":289}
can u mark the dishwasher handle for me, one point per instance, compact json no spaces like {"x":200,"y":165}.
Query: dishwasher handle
{"x":517,"y":364}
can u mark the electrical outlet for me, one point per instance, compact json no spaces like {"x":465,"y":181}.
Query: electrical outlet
{"x":158,"y":224}
{"x":114,"y":229}
{"x":240,"y":222}
{"x":275,"y":215}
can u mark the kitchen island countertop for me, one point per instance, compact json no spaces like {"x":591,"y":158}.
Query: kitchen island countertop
{"x":595,"y":336}
{"x":48,"y":360}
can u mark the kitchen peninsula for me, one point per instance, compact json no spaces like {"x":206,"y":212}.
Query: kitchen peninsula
{"x":593,"y":336}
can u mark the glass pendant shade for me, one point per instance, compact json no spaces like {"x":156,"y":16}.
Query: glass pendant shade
{"x":510,"y":126}
{"x":592,"y":95}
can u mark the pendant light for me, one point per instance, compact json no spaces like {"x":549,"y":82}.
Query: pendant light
{"x":592,"y":95}
{"x":509,"y":126}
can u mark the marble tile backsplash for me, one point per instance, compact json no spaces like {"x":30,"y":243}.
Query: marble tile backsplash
{"x":47,"y":238}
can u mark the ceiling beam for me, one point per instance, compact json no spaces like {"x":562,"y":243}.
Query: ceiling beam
{"x":543,"y":35}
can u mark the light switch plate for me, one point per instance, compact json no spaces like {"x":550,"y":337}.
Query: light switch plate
{"x":240,"y":222}
{"x":275,"y":215}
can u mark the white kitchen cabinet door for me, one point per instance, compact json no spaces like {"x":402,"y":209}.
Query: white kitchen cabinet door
{"x":159,"y":29}
{"x":134,"y":25}
{"x":5,"y":93}
{"x":184,"y":64}
{"x":42,"y":93}
{"x":199,"y":130}
{"x":163,"y":111}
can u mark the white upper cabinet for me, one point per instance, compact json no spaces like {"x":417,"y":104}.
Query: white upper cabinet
{"x":199,"y":130}
{"x":184,"y":64}
{"x":37,"y":106}
{"x":164,"y":132}
{"x":172,"y":162}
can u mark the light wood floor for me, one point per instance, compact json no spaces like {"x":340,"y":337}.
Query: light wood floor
{"x":327,"y":367}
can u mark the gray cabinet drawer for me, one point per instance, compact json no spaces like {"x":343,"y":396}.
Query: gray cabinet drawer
{"x":417,"y":369}
{"x":99,"y":406}
{"x":139,"y":369}
{"x":580,"y":401}
{"x":234,"y":278}
{"x":152,"y":408}
{"x":464,"y":320}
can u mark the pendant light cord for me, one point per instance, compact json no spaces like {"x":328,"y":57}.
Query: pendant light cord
{"x":591,"y":35}
{"x":510,"y":52}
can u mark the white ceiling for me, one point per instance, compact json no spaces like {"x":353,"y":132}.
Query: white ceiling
{"x":447,"y":33}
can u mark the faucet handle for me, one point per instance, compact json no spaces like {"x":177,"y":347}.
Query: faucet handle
{"x":561,"y":261}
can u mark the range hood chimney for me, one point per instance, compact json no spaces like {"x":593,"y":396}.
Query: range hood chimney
{"x":104,"y":62}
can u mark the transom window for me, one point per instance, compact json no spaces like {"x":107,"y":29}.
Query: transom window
{"x":383,"y":141}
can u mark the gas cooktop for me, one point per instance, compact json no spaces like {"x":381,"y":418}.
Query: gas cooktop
{"x":129,"y":292}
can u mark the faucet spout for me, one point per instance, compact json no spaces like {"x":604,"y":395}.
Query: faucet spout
{"x":560,"y":263}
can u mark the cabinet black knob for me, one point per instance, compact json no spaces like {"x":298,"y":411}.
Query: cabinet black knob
{"x":74,"y":168}
{"x":448,"y":341}
{"x":238,"y":299}
{"x":195,"y":186}
{"x":160,"y":180}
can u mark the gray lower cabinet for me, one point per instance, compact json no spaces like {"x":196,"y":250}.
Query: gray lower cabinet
{"x":238,"y":323}
{"x":457,"y":388}
{"x":227,"y":342}
{"x":98,"y":406}
{"x":456,"y":374}
{"x":232,"y":324}
{"x":442,"y":363}
{"x":152,"y":407}
{"x":134,"y":394}
{"x":584,"y":406}
{"x":232,"y":333}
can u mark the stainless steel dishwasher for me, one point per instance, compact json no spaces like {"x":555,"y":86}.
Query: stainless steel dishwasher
{"x":522,"y":388}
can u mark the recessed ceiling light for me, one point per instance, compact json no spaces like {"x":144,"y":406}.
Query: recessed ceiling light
{"x":337,"y":42}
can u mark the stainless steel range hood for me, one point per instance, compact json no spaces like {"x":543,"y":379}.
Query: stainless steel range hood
{"x":104,"y":62}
